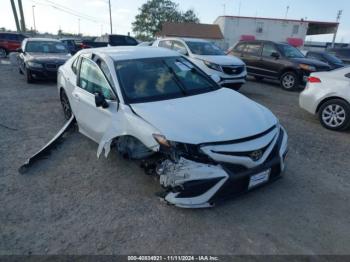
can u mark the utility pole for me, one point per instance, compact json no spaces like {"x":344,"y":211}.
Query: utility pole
{"x":224,"y":6}
{"x":110,"y":16}
{"x":78,"y":26}
{"x":340,"y":12}
{"x":23,"y":24}
{"x":239,"y":8}
{"x":34,"y":18}
{"x":14,"y":10}
{"x":287,"y":12}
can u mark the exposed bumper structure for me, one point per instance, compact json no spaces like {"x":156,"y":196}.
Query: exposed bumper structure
{"x":190,"y":184}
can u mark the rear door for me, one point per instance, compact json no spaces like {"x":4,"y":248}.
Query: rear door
{"x":251,"y":55}
{"x":268,"y":65}
{"x":93,"y":121}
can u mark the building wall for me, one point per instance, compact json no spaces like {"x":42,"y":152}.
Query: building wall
{"x":275,"y":30}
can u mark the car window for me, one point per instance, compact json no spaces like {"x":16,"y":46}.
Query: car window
{"x":268,"y":50}
{"x":154,"y":79}
{"x":45,"y":47}
{"x":290,"y":51}
{"x":75,"y":65}
{"x":204,"y":48}
{"x":239,"y":47}
{"x":252,"y":48}
{"x":92,"y":79}
{"x":165,"y":44}
{"x":178,"y":46}
{"x":104,"y":67}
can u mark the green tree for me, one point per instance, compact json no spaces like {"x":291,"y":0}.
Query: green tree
{"x":154,"y":13}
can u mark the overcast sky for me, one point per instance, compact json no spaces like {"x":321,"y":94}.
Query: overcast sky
{"x":50,"y":19}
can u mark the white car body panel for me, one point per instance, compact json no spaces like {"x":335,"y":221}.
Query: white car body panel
{"x":200,"y":123}
{"x":333,"y":84}
{"x":223,"y":60}
{"x":223,"y":116}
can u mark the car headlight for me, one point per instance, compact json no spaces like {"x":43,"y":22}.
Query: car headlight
{"x":213,"y":66}
{"x":34,"y":64}
{"x":307,"y":67}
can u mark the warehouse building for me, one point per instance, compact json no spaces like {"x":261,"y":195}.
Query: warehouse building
{"x":294,"y":32}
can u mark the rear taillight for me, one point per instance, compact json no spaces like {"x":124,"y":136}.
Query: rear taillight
{"x":313,"y":79}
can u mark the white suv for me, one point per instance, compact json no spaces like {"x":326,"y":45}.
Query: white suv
{"x":210,"y":58}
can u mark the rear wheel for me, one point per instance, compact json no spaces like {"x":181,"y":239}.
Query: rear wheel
{"x":289,"y":81}
{"x":67,"y":111}
{"x":335,"y":115}
{"x":3,"y":53}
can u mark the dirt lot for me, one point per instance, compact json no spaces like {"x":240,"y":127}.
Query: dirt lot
{"x":72,"y":203}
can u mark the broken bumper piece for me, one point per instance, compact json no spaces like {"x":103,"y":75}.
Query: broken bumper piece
{"x":191,"y":184}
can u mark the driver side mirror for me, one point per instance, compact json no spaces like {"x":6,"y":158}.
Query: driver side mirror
{"x":275,"y":55}
{"x":100,"y":100}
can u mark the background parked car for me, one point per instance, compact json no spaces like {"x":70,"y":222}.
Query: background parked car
{"x":40,"y":58}
{"x":73,"y":45}
{"x":342,"y":53}
{"x":10,"y":42}
{"x":328,"y":95}
{"x":111,"y":40}
{"x":210,"y":58}
{"x":333,"y":61}
{"x":283,"y":62}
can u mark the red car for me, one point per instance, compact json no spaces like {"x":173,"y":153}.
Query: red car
{"x":10,"y":42}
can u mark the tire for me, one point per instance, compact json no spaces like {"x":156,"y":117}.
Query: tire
{"x":289,"y":81}
{"x":67,"y":110}
{"x":335,"y":115}
{"x":259,"y":78}
{"x":29,"y":77}
{"x":3,"y":52}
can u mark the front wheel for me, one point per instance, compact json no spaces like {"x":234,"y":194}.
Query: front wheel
{"x":29,"y":77}
{"x":289,"y":81}
{"x":67,"y":111}
{"x":335,"y":115}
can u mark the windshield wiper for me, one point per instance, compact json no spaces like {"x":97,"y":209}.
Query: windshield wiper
{"x":176,"y":78}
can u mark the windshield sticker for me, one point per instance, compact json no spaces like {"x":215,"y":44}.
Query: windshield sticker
{"x":183,"y":66}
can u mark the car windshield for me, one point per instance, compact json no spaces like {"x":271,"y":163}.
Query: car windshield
{"x":45,"y":47}
{"x":204,"y":48}
{"x":290,"y":51}
{"x":155,"y":79}
{"x":332,"y":58}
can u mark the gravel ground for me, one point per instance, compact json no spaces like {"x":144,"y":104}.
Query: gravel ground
{"x":73,"y":203}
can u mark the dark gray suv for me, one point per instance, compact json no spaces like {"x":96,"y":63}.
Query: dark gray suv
{"x":280,"y":61}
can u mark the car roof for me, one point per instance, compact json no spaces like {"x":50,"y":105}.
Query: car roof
{"x":43,"y":39}
{"x":119,"y":53}
{"x":186,"y":39}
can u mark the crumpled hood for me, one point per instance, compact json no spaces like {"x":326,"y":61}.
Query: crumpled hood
{"x":48,"y":57}
{"x":220,"y":115}
{"x":220,"y":59}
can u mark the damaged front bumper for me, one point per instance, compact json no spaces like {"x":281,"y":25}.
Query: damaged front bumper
{"x":190,"y":184}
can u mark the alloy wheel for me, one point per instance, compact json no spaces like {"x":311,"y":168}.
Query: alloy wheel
{"x":288,"y":81}
{"x":66,"y":106}
{"x":334,"y":115}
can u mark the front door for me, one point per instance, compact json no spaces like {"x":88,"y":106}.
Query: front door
{"x":93,"y":121}
{"x":270,"y":64}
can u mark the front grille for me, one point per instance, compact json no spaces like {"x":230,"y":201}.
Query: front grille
{"x":233,"y":70}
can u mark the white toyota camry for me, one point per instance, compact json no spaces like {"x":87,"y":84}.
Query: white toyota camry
{"x":327,"y":94}
{"x":205,"y":142}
